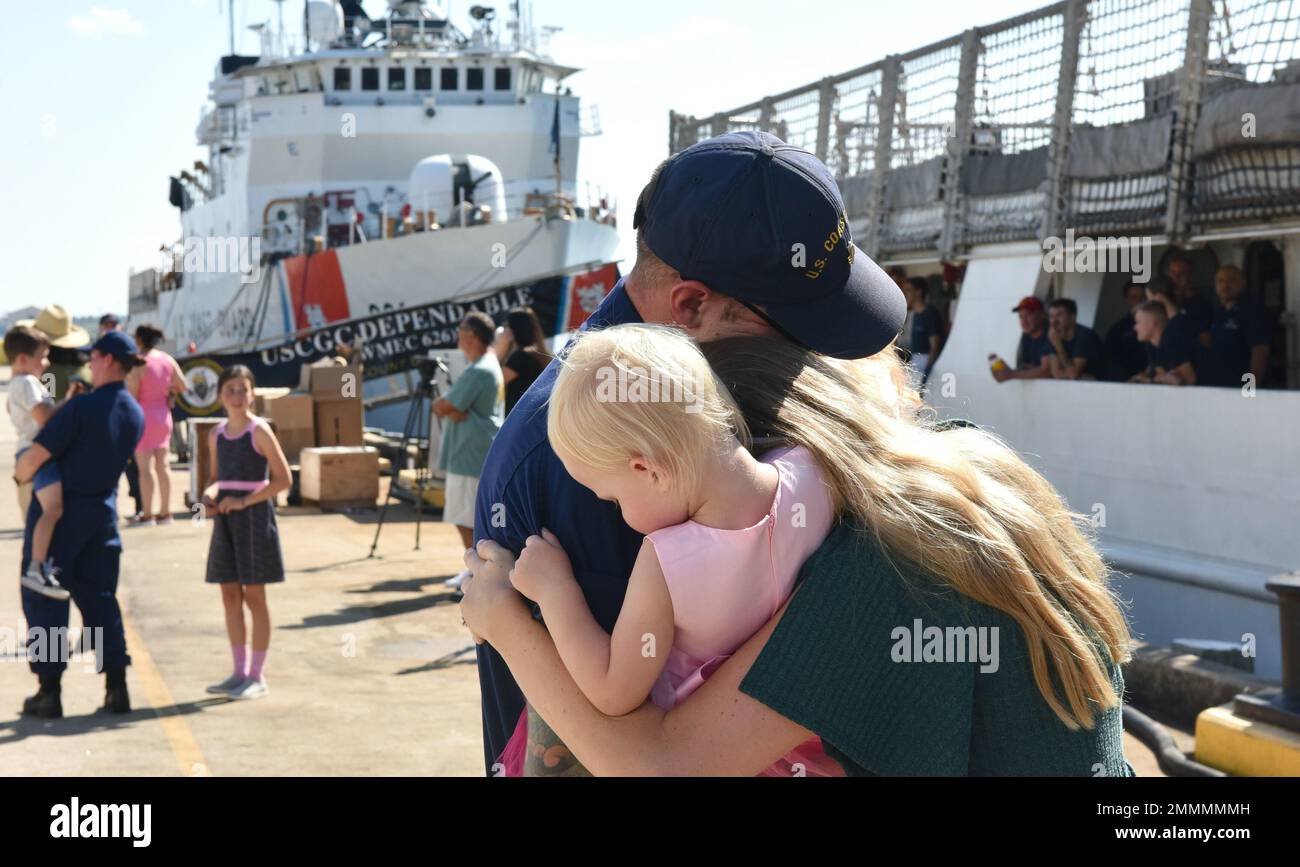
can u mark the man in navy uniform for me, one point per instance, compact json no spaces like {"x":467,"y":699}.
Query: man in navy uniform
{"x":1170,"y":352}
{"x":719,"y":227}
{"x":1126,"y":356}
{"x":1239,"y":333}
{"x":91,"y":437}
{"x":1076,"y":349}
{"x":1034,"y":346}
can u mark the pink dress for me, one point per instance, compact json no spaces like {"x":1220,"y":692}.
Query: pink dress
{"x":155,"y":388}
{"x":725,"y":585}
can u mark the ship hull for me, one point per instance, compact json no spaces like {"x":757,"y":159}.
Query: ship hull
{"x":230,"y":311}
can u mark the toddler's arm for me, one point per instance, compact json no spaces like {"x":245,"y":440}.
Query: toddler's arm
{"x":614,"y":672}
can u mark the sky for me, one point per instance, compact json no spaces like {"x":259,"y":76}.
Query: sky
{"x":102,"y":99}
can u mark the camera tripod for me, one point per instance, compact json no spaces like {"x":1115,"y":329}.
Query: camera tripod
{"x":426,"y":394}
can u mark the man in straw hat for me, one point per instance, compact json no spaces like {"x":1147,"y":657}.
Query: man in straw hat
{"x":66,"y":338}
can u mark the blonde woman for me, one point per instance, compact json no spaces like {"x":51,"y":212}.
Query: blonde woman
{"x":637,"y":417}
{"x":956,"y":621}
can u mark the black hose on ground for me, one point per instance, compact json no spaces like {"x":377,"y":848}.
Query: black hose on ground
{"x":1168,"y":756}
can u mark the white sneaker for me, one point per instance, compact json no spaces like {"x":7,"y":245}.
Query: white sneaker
{"x":225,"y":687}
{"x":456,"y":580}
{"x":43,"y":578}
{"x":249,"y":689}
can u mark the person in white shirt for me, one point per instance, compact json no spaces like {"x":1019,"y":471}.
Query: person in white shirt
{"x":30,"y":407}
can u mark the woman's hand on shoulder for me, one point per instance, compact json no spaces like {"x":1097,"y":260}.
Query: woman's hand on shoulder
{"x":489,"y":600}
{"x":542,"y":568}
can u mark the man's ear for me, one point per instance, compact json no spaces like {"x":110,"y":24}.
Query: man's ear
{"x":686,"y":301}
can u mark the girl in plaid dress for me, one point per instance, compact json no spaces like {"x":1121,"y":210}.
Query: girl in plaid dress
{"x":249,"y":470}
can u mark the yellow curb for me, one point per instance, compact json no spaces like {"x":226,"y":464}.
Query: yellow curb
{"x":1245,"y":748}
{"x":178,"y":733}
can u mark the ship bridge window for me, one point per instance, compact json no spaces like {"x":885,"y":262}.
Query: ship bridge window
{"x":424,"y":78}
{"x":396,"y":78}
{"x":474,"y":79}
{"x":369,"y":78}
{"x":342,"y":78}
{"x":450,"y":78}
{"x":501,"y":78}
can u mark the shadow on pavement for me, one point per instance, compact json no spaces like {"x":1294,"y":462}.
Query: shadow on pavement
{"x":358,"y":613}
{"x":22,"y":727}
{"x":406,"y":585}
{"x":464,"y":656}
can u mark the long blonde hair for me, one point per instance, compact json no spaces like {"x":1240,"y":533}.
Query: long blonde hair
{"x":641,"y":390}
{"x":957,"y":503}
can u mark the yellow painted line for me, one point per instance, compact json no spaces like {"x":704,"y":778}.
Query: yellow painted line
{"x":178,"y":733}
{"x":1245,"y":748}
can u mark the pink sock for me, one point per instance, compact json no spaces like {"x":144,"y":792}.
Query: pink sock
{"x":259,"y":662}
{"x":241,"y":659}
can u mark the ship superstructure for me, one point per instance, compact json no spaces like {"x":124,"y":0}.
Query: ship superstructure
{"x":382,"y":163}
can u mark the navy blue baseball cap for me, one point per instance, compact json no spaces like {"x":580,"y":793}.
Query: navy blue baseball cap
{"x":763,"y":222}
{"x":117,"y":344}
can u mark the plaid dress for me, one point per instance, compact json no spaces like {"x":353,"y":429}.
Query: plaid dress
{"x":245,"y":544}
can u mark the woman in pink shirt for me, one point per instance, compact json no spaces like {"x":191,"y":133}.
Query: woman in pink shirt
{"x":155,"y":385}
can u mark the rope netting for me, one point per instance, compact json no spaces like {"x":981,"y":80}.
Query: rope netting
{"x":1128,"y":119}
{"x":1254,"y":52}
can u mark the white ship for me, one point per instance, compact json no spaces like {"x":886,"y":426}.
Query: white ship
{"x":381,"y":165}
{"x":1175,"y":122}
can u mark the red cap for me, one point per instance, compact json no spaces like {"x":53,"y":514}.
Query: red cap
{"x":1029,"y":302}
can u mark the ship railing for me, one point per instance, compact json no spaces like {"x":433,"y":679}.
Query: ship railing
{"x":312,"y":223}
{"x":1157,"y":117}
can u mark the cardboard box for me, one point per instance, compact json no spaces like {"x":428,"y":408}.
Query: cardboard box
{"x":339,"y":422}
{"x":332,"y":383}
{"x":263,"y":396}
{"x":340,"y":475}
{"x":290,"y":412}
{"x":292,"y":442}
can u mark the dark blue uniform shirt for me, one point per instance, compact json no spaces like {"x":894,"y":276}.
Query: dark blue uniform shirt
{"x":524,"y":488}
{"x":1030,"y":352}
{"x":1199,"y":314}
{"x":1126,"y":356}
{"x":1177,"y":345}
{"x":925,"y":324}
{"x":91,"y":437}
{"x":1233,"y":335}
{"x":1087,"y":345}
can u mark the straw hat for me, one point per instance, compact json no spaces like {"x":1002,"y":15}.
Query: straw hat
{"x":58,"y":326}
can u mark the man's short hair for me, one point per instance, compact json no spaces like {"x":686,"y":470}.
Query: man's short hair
{"x":651,"y":271}
{"x":24,"y":340}
{"x":108,"y":319}
{"x":920,"y":284}
{"x":481,"y":325}
{"x":1178,"y":256}
{"x":1067,"y":304}
{"x":1156,"y":309}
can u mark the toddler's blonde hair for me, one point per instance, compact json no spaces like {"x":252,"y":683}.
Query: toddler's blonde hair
{"x":641,"y":390}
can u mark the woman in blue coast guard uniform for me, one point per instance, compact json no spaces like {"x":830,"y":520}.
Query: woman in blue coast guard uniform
{"x":91,"y":437}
